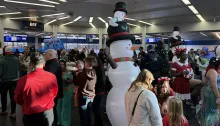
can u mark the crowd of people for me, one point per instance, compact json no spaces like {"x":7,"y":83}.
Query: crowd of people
{"x":46,"y":89}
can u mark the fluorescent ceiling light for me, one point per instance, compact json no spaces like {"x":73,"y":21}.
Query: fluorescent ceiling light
{"x":145,"y":22}
{"x":200,"y":17}
{"x":48,"y":1}
{"x":10,"y":13}
{"x":68,"y":23}
{"x":36,"y":4}
{"x":90,"y":19}
{"x":203,"y":34}
{"x":130,"y":19}
{"x":2,"y":6}
{"x":187,"y":2}
{"x":52,"y":15}
{"x":217,"y":35}
{"x":78,"y":18}
{"x":110,"y":17}
{"x":193,"y":9}
{"x":92,"y":25}
{"x":39,"y":34}
{"x":51,"y":21}
{"x":22,"y":18}
{"x":63,"y":18}
{"x":132,"y":24}
{"x":106,"y":24}
{"x":63,"y":0}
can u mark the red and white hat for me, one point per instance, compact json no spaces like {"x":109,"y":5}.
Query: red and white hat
{"x":8,"y":50}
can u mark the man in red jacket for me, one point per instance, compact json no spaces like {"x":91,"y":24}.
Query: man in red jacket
{"x":36,"y":92}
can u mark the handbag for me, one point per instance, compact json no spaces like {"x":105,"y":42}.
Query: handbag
{"x":135,"y":104}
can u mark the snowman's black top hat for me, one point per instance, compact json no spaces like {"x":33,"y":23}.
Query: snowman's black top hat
{"x":176,"y":28}
{"x":120,"y":6}
{"x":121,"y":32}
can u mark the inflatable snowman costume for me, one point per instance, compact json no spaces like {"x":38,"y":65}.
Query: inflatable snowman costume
{"x":120,"y":43}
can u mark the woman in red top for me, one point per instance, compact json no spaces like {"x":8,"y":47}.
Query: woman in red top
{"x":175,"y":116}
{"x":163,"y":91}
{"x":182,"y":72}
{"x":36,"y":92}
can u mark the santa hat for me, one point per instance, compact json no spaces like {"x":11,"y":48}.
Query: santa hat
{"x":8,"y":50}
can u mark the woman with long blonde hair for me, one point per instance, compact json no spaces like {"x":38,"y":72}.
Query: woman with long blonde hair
{"x":141,"y":103}
{"x":175,"y":116}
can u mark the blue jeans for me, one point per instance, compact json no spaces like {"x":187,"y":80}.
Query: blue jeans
{"x":85,"y":111}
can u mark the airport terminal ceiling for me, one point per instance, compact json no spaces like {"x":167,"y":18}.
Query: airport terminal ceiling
{"x":156,"y":12}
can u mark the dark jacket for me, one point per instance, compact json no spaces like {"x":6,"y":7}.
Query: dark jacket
{"x":54,"y":67}
{"x":9,"y":68}
{"x":100,"y":84}
{"x":86,"y":81}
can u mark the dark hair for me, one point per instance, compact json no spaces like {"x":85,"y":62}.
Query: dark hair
{"x":91,"y":61}
{"x":141,"y":48}
{"x":214,"y":63}
{"x":36,"y":58}
{"x":62,"y":61}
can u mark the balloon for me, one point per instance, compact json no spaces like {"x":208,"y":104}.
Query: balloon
{"x":121,"y":79}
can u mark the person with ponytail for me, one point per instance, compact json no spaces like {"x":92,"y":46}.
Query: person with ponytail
{"x":208,"y":110}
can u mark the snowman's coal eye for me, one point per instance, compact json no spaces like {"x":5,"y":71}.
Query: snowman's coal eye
{"x":129,"y":44}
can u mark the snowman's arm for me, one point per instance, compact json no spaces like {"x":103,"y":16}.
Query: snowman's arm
{"x":112,"y":63}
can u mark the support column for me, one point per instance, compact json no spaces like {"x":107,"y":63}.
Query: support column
{"x":36,"y":42}
{"x":100,"y":38}
{"x":1,"y":33}
{"x":144,"y":37}
{"x":55,"y":29}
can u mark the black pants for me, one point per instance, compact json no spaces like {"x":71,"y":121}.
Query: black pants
{"x":98,"y":109}
{"x":85,"y":111}
{"x":5,"y":87}
{"x":40,"y":119}
{"x":55,"y":112}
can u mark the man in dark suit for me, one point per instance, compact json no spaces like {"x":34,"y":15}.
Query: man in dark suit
{"x":54,"y":67}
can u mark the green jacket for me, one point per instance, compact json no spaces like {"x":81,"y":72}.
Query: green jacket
{"x":9,"y":68}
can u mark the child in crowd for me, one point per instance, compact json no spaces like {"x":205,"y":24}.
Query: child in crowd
{"x":163,"y":91}
{"x":182,"y":72}
{"x":86,"y":92}
{"x":80,"y":67}
{"x":175,"y":116}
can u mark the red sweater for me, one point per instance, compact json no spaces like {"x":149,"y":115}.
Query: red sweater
{"x":36,"y":91}
{"x":166,"y":121}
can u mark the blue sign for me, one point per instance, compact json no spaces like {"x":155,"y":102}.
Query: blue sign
{"x":53,"y":43}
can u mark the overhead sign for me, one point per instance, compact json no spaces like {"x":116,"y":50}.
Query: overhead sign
{"x":31,"y":25}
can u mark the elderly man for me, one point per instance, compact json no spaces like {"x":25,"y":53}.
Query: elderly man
{"x":54,"y":67}
{"x":9,"y":69}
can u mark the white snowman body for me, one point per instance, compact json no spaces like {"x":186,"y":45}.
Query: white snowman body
{"x":118,"y":16}
{"x":121,"y":79}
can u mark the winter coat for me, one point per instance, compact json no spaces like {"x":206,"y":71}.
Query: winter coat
{"x":147,"y":112}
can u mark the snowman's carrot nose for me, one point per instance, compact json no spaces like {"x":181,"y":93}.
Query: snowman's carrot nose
{"x":134,"y":47}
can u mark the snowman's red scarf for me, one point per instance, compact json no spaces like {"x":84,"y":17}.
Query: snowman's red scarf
{"x":123,"y":59}
{"x":119,"y":34}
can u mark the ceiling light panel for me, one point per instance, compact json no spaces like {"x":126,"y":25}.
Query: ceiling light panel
{"x":78,"y":18}
{"x":51,"y":21}
{"x":217,"y":35}
{"x":92,"y":25}
{"x":90,"y":19}
{"x":145,"y":22}
{"x":203,"y":34}
{"x":130,"y":19}
{"x":10,"y":13}
{"x":110,"y":17}
{"x":106,"y":24}
{"x":48,"y":1}
{"x":34,"y":4}
{"x":63,"y":18}
{"x":50,"y":15}
{"x":132,"y":24}
{"x":193,"y":9}
{"x":187,"y":2}
{"x":68,"y":23}
{"x":2,"y":6}
{"x":200,"y":17}
{"x":62,"y":0}
{"x":22,"y":18}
